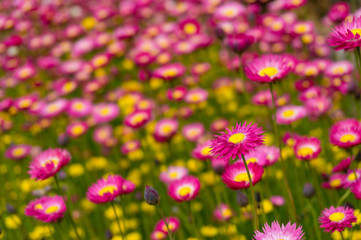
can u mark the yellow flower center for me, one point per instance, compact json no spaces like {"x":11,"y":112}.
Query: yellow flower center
{"x":183,"y":191}
{"x":206,"y":150}
{"x":336,"y":217}
{"x":17,"y":152}
{"x":356,"y":31}
{"x":173,"y":175}
{"x":77,"y":130}
{"x":166,"y":129}
{"x":24,"y":72}
{"x":69,"y":86}
{"x":160,"y":235}
{"x":229,"y":13}
{"x":295,"y":2}
{"x":190,"y":28}
{"x":171,"y":72}
{"x":335,"y":183}
{"x":25,"y":103}
{"x":288,"y":113}
{"x":177,"y":94}
{"x":171,"y":226}
{"x":107,"y":189}
{"x":137,"y":118}
{"x":195,"y":97}
{"x":242,"y":177}
{"x":347,"y":138}
{"x":55,"y":162}
{"x":78,"y":106}
{"x":104,"y":111}
{"x":227,"y":212}
{"x":38,"y":206}
{"x":268,"y":71}
{"x":236,"y":138}
{"x":52,"y":209}
{"x":352,"y":177}
{"x":301,"y":28}
{"x":252,"y":160}
{"x":338,"y":70}
{"x":305,"y":151}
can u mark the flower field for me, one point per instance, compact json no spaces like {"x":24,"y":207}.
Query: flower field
{"x":187,"y":120}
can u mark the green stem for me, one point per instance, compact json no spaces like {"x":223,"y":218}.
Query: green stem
{"x":315,"y":222}
{"x":343,"y":238}
{"x":254,"y":203}
{"x":165,"y":222}
{"x":284,"y":169}
{"x":192,"y":220}
{"x":344,"y":197}
{"x":67,"y":206}
{"x":117,"y":218}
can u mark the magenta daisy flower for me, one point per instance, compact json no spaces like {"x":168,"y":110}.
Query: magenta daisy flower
{"x":17,"y":152}
{"x":46,"y":209}
{"x":223,"y":213}
{"x":346,"y":36}
{"x":277,"y":231}
{"x":173,"y":173}
{"x":346,"y":133}
{"x":237,"y":141}
{"x":268,"y":68}
{"x":337,"y":219}
{"x":335,"y":181}
{"x":307,"y":148}
{"x":173,"y":225}
{"x":193,"y":131}
{"x":289,"y":114}
{"x":235,"y":176}
{"x":48,"y":163}
{"x":184,"y":189}
{"x":105,"y":189}
{"x":202,"y":151}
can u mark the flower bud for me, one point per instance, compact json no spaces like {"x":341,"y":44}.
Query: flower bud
{"x":151,"y":196}
{"x":242,"y":199}
{"x":308,"y":190}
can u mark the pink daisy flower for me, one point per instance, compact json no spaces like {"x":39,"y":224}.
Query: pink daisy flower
{"x":346,"y":36}
{"x":165,"y":129}
{"x":237,"y":141}
{"x":337,"y":219}
{"x":105,"y":112}
{"x":79,"y":107}
{"x":17,"y":152}
{"x":346,"y":133}
{"x":46,"y":209}
{"x":223,"y":213}
{"x":193,"y":131}
{"x":277,"y":201}
{"x":184,"y":189}
{"x":307,"y":148}
{"x":173,"y":225}
{"x":137,"y":119}
{"x":170,"y":71}
{"x":173,"y":173}
{"x":272,"y":155}
{"x":105,"y":189}
{"x":130,"y":146}
{"x":290,"y":114}
{"x":336,"y":181}
{"x":202,"y":151}
{"x":277,"y":231}
{"x":351,"y":177}
{"x":76,"y":129}
{"x":268,"y":68}
{"x":48,"y":163}
{"x":235,"y":176}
